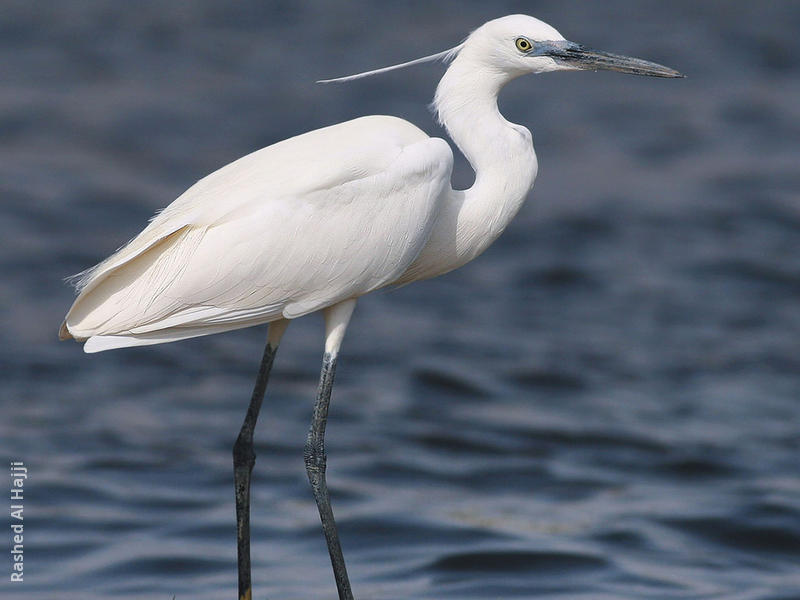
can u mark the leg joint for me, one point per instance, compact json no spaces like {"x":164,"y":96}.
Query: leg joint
{"x":243,"y":452}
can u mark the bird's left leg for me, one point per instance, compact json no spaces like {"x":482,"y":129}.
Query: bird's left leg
{"x":244,"y":457}
{"x":336,"y":319}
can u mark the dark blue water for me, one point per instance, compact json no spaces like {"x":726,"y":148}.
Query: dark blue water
{"x":604,"y":405}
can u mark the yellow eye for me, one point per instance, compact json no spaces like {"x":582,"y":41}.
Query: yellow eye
{"x":523,"y":45}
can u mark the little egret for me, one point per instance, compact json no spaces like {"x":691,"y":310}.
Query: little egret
{"x":315,"y":221}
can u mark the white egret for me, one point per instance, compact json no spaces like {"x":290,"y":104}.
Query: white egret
{"x":315,"y":221}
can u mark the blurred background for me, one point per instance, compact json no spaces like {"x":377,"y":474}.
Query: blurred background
{"x":604,"y":405}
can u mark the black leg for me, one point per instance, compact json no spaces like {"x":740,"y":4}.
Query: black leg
{"x":244,"y":457}
{"x":315,"y":459}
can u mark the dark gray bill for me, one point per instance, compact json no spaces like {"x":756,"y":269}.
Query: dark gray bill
{"x":579,"y":57}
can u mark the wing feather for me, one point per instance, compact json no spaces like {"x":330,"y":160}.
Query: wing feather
{"x":282,"y":232}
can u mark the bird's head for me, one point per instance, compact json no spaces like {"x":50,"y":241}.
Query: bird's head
{"x":513,"y":45}
{"x":518,"y":44}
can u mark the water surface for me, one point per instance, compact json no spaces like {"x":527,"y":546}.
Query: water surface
{"x":604,"y":405}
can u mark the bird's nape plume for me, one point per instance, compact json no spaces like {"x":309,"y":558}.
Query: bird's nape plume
{"x":445,"y":56}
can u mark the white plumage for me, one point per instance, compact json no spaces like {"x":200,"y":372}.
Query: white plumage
{"x":313,"y":222}
{"x":265,"y":236}
{"x":335,"y":213}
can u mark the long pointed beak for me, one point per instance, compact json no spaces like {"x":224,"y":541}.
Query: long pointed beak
{"x":579,"y":57}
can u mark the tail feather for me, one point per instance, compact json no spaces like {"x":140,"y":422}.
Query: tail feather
{"x":105,"y":305}
{"x":99,"y":343}
{"x":63,"y":332}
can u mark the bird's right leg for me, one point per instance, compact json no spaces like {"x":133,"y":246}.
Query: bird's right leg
{"x":244,"y":457}
{"x":336,"y":319}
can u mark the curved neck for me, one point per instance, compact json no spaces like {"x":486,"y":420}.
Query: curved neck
{"x":501,"y":153}
{"x":502,"y":156}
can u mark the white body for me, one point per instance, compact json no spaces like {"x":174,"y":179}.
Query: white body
{"x":323,"y":217}
{"x":316,"y":221}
